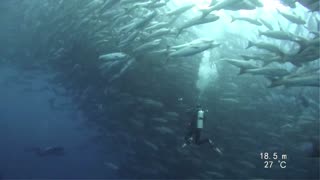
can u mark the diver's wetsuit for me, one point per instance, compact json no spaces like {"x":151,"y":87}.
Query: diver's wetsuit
{"x":195,"y":127}
{"x":194,"y":132}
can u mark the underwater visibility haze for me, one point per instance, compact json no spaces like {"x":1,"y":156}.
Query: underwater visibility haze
{"x":159,"y":89}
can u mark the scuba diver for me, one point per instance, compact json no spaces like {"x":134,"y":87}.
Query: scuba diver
{"x":195,"y":127}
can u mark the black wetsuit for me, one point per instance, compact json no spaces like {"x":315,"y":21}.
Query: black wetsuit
{"x":193,"y":131}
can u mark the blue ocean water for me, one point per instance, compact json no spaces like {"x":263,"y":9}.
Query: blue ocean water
{"x":133,"y":127}
{"x":27,"y":120}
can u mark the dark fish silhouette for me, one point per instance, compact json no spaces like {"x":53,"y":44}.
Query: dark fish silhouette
{"x":48,"y":151}
{"x":311,"y":148}
{"x":315,"y":149}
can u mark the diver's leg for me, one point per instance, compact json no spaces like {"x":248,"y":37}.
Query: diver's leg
{"x":203,"y":141}
{"x":209,"y":141}
{"x":188,"y":135}
{"x":197,"y":136}
{"x":188,"y":139}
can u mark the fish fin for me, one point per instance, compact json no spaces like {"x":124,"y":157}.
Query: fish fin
{"x":126,"y":9}
{"x":122,"y":71}
{"x":316,"y":34}
{"x":265,"y":63}
{"x":273,"y":81}
{"x":280,"y":27}
{"x":296,"y":63}
{"x":205,"y":12}
{"x":272,"y":85}
{"x":271,"y":28}
{"x":242,"y":71}
{"x":244,"y":57}
{"x":213,"y":2}
{"x":179,"y":31}
{"x":250,"y":44}
{"x":173,"y":20}
{"x":232,"y":19}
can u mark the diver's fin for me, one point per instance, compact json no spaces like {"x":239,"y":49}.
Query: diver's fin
{"x":218,"y":150}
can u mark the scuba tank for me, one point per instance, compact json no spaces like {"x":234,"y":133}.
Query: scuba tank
{"x":200,"y":118}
